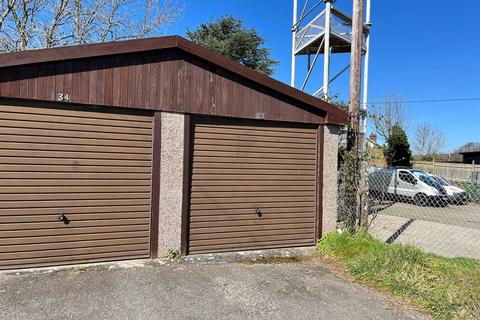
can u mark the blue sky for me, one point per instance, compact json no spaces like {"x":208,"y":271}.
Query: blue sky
{"x":420,"y":50}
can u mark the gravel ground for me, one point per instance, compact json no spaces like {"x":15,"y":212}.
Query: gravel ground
{"x":205,"y":287}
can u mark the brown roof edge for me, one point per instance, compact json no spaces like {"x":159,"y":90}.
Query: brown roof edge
{"x":334,"y":114}
{"x":86,"y":51}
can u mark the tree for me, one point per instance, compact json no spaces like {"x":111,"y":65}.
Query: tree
{"x":228,"y":37}
{"x":30,"y":24}
{"x":397,"y":151}
{"x":428,"y":141}
{"x":388,"y":114}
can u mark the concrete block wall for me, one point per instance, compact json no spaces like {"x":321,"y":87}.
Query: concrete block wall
{"x":330,"y":174}
{"x":171,"y":182}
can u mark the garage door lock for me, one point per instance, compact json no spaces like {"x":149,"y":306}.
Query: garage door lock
{"x":258,"y":211}
{"x":63,"y":217}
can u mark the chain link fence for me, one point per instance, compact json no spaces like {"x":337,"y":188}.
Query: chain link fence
{"x":433,"y":206}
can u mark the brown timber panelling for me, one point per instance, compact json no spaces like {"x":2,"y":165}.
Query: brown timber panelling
{"x":93,"y":166}
{"x":164,"y":80}
{"x":238,"y":168}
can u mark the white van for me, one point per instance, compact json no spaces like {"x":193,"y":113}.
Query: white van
{"x":407,"y":184}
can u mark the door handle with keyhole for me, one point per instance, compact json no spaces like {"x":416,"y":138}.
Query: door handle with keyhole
{"x":63,"y":217}
{"x":258,"y":211}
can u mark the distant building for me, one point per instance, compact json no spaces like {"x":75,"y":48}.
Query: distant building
{"x":372,"y":141}
{"x":375,"y":156}
{"x":470,"y":152}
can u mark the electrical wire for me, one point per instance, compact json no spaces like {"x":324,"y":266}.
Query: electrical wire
{"x":427,"y":100}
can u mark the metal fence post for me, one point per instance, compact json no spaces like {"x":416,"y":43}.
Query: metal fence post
{"x":474,"y":177}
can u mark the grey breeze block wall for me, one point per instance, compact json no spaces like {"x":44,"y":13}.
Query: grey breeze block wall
{"x":171,"y":182}
{"x":330,"y":177}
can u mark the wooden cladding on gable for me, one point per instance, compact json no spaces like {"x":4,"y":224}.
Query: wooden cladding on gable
{"x":139,"y":81}
{"x":167,"y":80}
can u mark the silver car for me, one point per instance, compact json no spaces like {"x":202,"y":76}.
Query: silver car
{"x":456,"y":195}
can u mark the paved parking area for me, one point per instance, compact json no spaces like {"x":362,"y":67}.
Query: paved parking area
{"x":194,"y":290}
{"x":456,"y":215}
{"x":452,"y":231}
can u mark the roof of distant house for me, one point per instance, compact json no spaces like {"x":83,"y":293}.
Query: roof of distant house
{"x":469,"y":148}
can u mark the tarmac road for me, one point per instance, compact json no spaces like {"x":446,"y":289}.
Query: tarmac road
{"x":193,"y":290}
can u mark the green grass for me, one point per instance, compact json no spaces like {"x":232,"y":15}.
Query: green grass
{"x":446,"y":288}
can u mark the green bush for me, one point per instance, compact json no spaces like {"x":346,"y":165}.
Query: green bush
{"x":397,"y":152}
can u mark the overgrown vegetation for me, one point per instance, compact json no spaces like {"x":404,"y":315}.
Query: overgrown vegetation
{"x":348,"y":184}
{"x":446,"y":288}
{"x":275,"y":260}
{"x":172,"y":254}
{"x":349,"y":173}
{"x":227,"y":36}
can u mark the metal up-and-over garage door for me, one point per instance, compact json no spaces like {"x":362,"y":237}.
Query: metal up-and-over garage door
{"x":92,"y":168}
{"x":253,"y":186}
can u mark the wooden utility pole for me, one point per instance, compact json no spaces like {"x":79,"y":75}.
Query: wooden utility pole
{"x":354,"y":107}
{"x":356,"y":68}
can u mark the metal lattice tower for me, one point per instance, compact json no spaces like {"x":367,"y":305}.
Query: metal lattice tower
{"x":324,"y":30}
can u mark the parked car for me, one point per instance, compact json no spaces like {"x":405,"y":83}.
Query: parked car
{"x":456,"y":195}
{"x":407,"y":184}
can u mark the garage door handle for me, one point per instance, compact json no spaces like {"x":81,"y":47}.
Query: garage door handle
{"x":258,"y":211}
{"x":63,"y":217}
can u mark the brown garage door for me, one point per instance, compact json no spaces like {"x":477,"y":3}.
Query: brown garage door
{"x":239,"y":168}
{"x":94,"y":167}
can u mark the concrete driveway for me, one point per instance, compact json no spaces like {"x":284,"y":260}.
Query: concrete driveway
{"x":467,"y":216}
{"x":453,"y":231}
{"x":202,"y":289}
